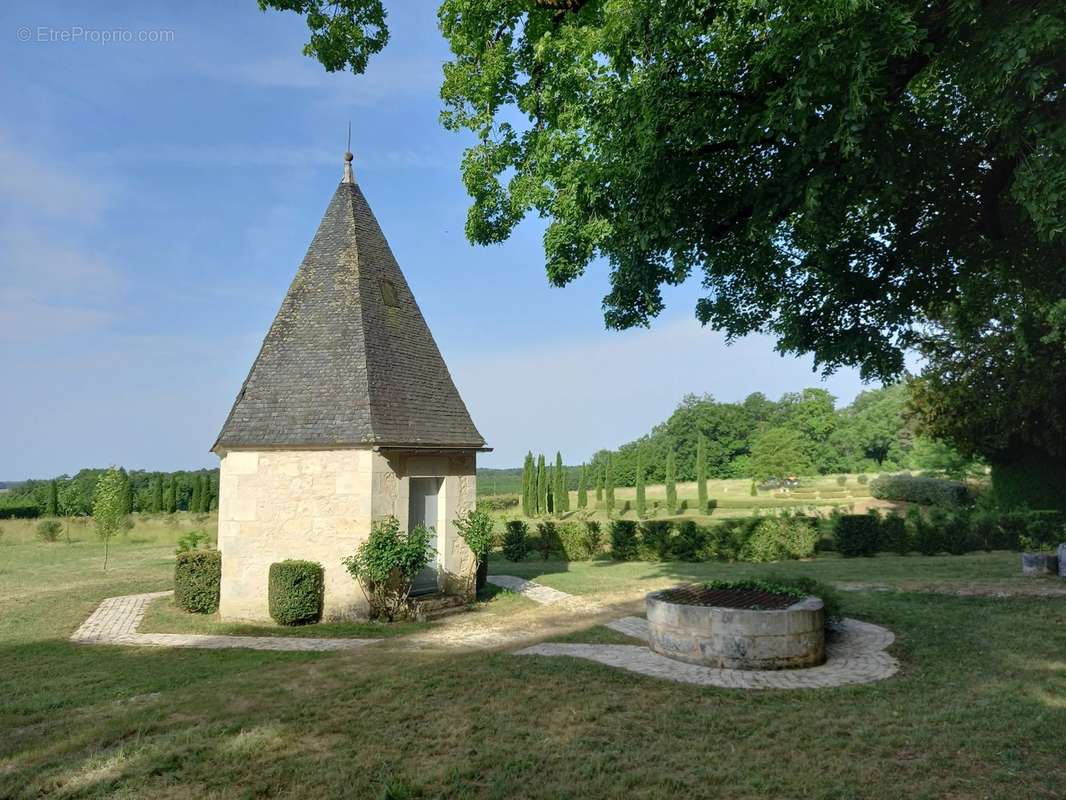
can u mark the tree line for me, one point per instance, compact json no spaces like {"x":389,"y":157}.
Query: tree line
{"x":138,"y":490}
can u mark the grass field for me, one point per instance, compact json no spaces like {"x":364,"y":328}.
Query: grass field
{"x":977,"y":711}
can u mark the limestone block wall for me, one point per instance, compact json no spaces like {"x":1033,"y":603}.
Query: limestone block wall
{"x":318,"y":505}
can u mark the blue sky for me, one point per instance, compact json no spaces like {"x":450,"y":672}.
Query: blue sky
{"x":157,"y":197}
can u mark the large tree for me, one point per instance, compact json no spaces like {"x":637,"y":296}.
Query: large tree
{"x":833,"y":172}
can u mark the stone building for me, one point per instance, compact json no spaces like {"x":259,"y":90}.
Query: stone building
{"x":348,"y":415}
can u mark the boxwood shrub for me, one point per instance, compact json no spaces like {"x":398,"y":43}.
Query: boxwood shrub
{"x":294,"y":592}
{"x":197,"y":577}
{"x":857,"y":534}
{"x":624,"y":540}
{"x":515,"y":540}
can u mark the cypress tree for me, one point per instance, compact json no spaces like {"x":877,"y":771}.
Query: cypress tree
{"x":599,"y":484}
{"x":51,"y":507}
{"x":197,"y":493}
{"x":671,"y":486}
{"x":582,"y":488}
{"x":170,"y":498}
{"x":608,"y":484}
{"x":541,"y":505}
{"x":527,"y":470}
{"x":641,"y":502}
{"x":126,"y":493}
{"x":559,"y":485}
{"x":157,"y":494}
{"x":701,"y":472}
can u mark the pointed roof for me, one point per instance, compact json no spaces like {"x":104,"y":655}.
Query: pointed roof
{"x":349,"y":359}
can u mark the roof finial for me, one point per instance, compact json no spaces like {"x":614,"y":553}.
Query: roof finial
{"x":348,"y":176}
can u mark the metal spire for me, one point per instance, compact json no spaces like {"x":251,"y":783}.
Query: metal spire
{"x":348,"y":176}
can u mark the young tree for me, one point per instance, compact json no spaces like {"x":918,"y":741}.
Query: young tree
{"x":475,"y":526}
{"x":701,"y":471}
{"x":51,"y":507}
{"x":671,"y":482}
{"x":608,"y":484}
{"x":641,"y":500}
{"x":582,"y":488}
{"x":157,"y":494}
{"x":542,"y":487}
{"x":109,"y":509}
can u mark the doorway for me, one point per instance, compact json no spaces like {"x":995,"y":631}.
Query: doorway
{"x":422,"y":510}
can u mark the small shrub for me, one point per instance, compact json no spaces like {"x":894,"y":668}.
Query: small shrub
{"x":655,"y":540}
{"x":842,"y":480}
{"x":547,"y":539}
{"x":193,"y":540}
{"x":894,"y":535}
{"x":927,"y":540}
{"x":956,"y":536}
{"x":593,"y":537}
{"x":515,"y":540}
{"x":754,"y":489}
{"x":712,"y":504}
{"x":856,"y":534}
{"x":386,"y":564}
{"x":48,"y":530}
{"x":625,"y":507}
{"x":197,"y":577}
{"x":573,"y":542}
{"x":862,"y":478}
{"x":688,"y":542}
{"x":294,"y":592}
{"x":1044,"y":530}
{"x":623,"y":540}
{"x":475,"y":528}
{"x":922,"y":490}
{"x":780,"y":538}
{"x":682,"y":506}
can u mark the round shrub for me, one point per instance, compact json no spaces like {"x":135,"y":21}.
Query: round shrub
{"x":780,"y":538}
{"x":295,"y":592}
{"x":197,"y":577}
{"x":857,"y":534}
{"x":623,"y":540}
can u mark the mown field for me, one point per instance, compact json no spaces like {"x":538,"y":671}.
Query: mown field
{"x":977,"y":711}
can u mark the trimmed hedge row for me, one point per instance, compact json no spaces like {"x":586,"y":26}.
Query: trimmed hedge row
{"x":769,"y":538}
{"x":922,"y":490}
{"x":939,"y":530}
{"x":197,"y":578}
{"x":294,"y":592}
{"x":19,"y":509}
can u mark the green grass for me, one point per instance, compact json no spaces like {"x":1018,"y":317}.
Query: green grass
{"x":162,"y":616}
{"x":978,"y":710}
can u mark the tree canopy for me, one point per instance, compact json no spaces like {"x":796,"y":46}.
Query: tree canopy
{"x":834,"y":173}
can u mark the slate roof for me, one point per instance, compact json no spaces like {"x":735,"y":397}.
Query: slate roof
{"x":349,"y":359}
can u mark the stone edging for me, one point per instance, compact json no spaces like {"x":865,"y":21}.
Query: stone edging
{"x":116,"y":619}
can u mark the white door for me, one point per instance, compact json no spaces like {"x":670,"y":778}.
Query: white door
{"x":422,"y":510}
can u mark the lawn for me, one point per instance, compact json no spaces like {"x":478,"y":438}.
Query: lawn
{"x":977,"y":711}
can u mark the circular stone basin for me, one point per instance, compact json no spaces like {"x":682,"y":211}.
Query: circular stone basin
{"x":736,"y":628}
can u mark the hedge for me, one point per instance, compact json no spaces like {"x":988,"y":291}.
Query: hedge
{"x":197,"y":577}
{"x":624,"y":543}
{"x":294,"y":593}
{"x":857,"y":534}
{"x":923,"y":490}
{"x":19,"y":509}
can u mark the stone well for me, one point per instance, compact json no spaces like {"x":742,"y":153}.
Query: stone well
{"x":736,"y":638}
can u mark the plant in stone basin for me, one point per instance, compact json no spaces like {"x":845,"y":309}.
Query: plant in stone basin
{"x":387,"y":562}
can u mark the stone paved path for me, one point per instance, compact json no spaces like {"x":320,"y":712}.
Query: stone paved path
{"x":539,"y":593}
{"x":116,"y":619}
{"x":855,"y":655}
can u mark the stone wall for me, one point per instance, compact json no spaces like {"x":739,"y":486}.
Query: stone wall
{"x":318,"y":505}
